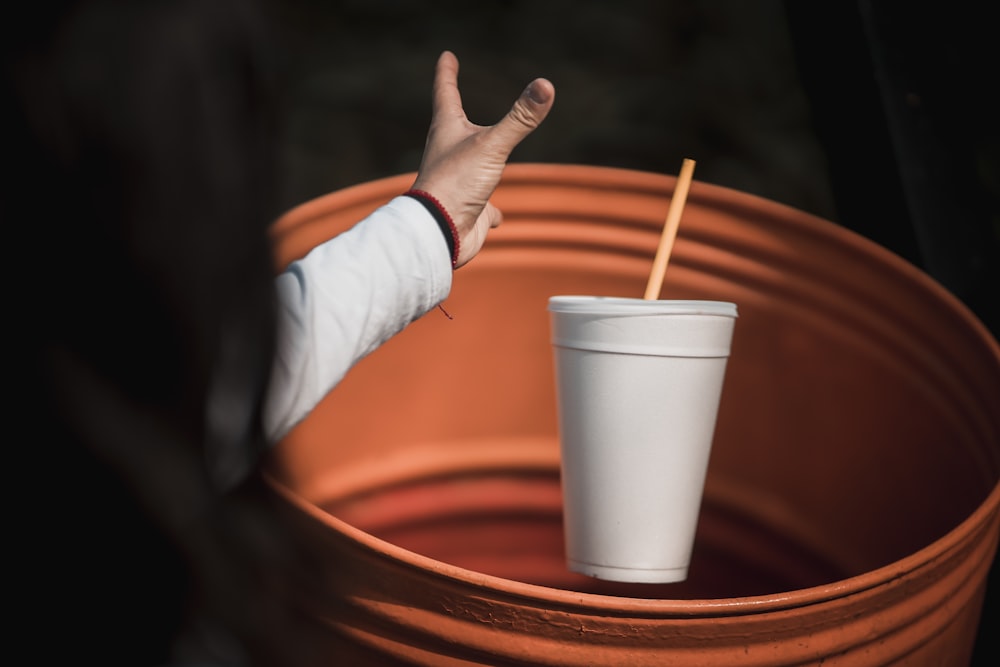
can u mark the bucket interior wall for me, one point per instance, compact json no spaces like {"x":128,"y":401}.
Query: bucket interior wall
{"x":505,"y":520}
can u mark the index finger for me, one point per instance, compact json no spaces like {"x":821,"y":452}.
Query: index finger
{"x":447,"y":99}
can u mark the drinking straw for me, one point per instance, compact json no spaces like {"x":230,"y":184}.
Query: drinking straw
{"x":670,"y":230}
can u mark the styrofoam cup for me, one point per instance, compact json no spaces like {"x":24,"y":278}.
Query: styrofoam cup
{"x":638,"y":384}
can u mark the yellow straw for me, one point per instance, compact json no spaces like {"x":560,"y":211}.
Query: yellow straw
{"x":670,"y":230}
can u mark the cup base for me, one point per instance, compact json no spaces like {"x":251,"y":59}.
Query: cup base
{"x":629,"y":574}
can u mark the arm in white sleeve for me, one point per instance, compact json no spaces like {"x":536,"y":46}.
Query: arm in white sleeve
{"x":348,"y":296}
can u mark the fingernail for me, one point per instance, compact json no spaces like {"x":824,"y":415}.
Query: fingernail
{"x":536,"y":94}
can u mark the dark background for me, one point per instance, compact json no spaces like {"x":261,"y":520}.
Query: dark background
{"x":875,"y":115}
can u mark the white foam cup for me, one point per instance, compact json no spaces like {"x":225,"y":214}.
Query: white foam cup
{"x":638,"y":384}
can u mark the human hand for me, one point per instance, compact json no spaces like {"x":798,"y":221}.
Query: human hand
{"x":463,"y":162}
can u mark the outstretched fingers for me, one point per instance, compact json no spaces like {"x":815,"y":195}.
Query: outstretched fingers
{"x":463,"y":162}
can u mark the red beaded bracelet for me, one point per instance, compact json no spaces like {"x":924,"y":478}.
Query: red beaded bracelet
{"x":444,"y":221}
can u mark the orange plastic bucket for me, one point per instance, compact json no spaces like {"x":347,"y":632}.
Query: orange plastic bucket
{"x":852,"y":506}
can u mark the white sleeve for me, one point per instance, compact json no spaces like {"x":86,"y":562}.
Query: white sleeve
{"x":348,"y":296}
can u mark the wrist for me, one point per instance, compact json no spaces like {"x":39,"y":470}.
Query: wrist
{"x":442,"y":218}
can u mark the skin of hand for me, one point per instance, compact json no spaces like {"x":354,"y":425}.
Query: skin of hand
{"x":463,"y":162}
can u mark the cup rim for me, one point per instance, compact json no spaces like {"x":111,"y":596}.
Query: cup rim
{"x":611,"y":305}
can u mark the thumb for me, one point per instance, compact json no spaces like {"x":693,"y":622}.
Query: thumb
{"x":528,"y":112}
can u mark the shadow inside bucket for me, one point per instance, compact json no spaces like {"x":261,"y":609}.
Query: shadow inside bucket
{"x":508,"y":523}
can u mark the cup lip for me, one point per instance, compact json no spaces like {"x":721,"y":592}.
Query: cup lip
{"x":613,"y":305}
